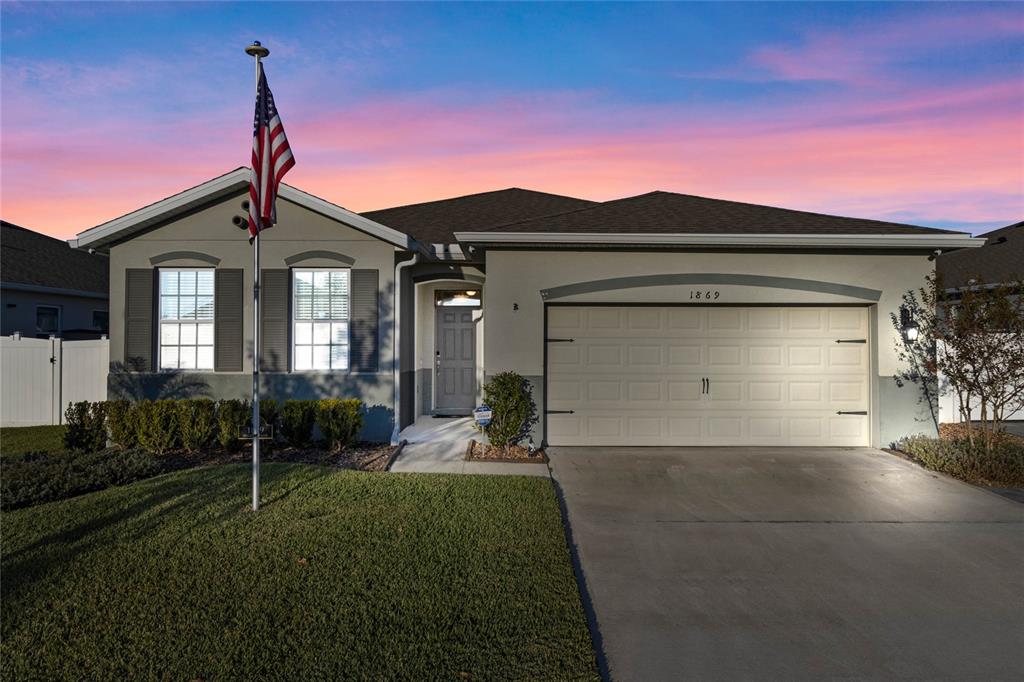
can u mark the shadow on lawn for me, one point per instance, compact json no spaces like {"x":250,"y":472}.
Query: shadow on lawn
{"x":222,"y":495}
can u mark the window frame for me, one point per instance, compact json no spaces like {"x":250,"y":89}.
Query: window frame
{"x":94,"y":325}
{"x":60,"y":320}
{"x":292,"y":279}
{"x":160,"y":321}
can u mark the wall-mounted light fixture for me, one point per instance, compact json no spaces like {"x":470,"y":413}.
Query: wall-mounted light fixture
{"x":908,"y":326}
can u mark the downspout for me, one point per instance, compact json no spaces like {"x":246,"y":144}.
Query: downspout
{"x":396,"y":354}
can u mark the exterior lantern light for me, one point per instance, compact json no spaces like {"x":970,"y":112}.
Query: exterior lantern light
{"x":908,"y":326}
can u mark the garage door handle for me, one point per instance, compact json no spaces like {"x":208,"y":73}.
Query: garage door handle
{"x":560,"y":340}
{"x":559,"y":412}
{"x":853,"y":412}
{"x":851,"y":340}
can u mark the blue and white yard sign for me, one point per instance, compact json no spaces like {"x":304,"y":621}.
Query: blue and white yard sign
{"x":482,"y":415}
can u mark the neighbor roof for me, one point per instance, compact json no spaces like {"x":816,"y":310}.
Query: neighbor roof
{"x":33,"y":259}
{"x":1000,"y":260}
{"x":671,"y":213}
{"x":436,"y":222}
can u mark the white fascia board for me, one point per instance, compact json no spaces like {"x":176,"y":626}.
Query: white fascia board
{"x":857,"y":241}
{"x":447,"y":252}
{"x":236,"y":180}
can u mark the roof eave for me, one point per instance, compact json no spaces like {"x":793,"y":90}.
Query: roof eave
{"x":943,"y":241}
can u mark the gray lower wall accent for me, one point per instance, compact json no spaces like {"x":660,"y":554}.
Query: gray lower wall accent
{"x":425,"y":382}
{"x":901,"y":412}
{"x":671,"y":279}
{"x":375,"y":390}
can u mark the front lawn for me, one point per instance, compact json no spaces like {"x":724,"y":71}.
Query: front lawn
{"x":16,"y":440}
{"x":342,"y":574}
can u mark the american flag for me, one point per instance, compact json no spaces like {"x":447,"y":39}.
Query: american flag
{"x":271,"y":159}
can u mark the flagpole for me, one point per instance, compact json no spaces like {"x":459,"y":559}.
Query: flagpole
{"x":257,"y":51}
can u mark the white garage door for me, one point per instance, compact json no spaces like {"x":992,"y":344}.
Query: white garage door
{"x":639,"y":375}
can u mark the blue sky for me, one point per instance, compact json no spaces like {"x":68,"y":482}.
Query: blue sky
{"x":910,"y":112}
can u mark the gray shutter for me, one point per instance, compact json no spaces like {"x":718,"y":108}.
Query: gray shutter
{"x":364,"y":351}
{"x":228,"y":307}
{"x":274,"y":298}
{"x":139,"y":318}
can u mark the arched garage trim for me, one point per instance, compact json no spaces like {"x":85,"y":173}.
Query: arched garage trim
{"x":639,"y":281}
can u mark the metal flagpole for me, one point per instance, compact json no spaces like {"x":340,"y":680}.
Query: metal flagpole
{"x":259,"y":52}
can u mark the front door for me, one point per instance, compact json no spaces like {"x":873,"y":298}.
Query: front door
{"x":455,"y":361}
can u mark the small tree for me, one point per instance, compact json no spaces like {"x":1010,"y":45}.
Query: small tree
{"x":513,"y":411}
{"x":974,"y":337}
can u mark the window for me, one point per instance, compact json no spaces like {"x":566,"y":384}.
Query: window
{"x":320,"y":319}
{"x":47,"y":319}
{"x":186,"y":319}
{"x":100,"y":320}
{"x":464,"y":298}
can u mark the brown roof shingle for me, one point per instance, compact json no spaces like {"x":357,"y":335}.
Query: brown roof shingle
{"x":670,"y":213}
{"x":999,"y":261}
{"x":28,"y":257}
{"x":435,"y":222}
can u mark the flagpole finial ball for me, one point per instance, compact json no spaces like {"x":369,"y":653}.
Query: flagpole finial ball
{"x":257,"y":50}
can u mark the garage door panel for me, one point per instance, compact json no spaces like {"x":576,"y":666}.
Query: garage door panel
{"x":635,"y":375}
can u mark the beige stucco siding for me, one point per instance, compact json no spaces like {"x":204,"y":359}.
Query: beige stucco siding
{"x":514,"y":306}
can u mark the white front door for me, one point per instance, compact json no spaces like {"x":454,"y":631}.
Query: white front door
{"x":687,"y":375}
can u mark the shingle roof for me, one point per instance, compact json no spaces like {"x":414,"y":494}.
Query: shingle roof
{"x":671,"y":213}
{"x":1001,"y":260}
{"x":435,"y":222}
{"x":28,"y":257}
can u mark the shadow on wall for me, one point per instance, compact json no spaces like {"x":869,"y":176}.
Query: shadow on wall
{"x":375,"y":389}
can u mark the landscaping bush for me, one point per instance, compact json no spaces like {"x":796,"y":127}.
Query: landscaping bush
{"x":270,"y":412}
{"x":297,"y":420}
{"x":339,"y":421}
{"x":37,"y":477}
{"x":232,"y":417}
{"x":16,"y":440}
{"x":158,"y":426}
{"x":123,"y":423}
{"x":86,"y":427}
{"x":197,"y":423}
{"x":1003,"y":465}
{"x":513,"y":412}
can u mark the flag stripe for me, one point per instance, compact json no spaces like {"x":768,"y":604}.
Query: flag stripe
{"x":271,"y":159}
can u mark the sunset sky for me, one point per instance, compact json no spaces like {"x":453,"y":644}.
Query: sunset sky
{"x":912,"y":112}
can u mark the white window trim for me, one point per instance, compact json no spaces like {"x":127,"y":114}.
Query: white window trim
{"x":160,"y":321}
{"x":292,"y":321}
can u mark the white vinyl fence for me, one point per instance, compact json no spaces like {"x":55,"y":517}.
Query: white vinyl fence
{"x":39,"y":377}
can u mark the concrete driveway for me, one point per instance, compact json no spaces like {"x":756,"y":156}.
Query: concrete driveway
{"x":783,"y":564}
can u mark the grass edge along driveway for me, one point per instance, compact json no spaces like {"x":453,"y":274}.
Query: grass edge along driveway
{"x":341,"y":574}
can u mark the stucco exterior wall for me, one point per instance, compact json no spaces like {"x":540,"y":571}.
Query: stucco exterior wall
{"x":514,"y":306}
{"x":210,"y":231}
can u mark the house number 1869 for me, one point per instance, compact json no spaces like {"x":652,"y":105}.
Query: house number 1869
{"x":704,"y":295}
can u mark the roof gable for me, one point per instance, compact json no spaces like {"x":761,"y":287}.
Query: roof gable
{"x":1000,"y":260}
{"x":123,"y":228}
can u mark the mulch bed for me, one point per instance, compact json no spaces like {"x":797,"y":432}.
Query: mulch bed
{"x":483,"y":452}
{"x":359,"y":456}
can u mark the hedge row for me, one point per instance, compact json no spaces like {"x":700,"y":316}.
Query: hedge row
{"x":163,"y":426}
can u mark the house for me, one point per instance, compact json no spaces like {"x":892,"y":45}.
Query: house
{"x":49,"y":289}
{"x":660,"y":319}
{"x":1000,"y":261}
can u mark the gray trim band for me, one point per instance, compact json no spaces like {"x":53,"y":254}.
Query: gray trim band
{"x":710,"y":278}
{"x":328,"y":255}
{"x":184,"y":255}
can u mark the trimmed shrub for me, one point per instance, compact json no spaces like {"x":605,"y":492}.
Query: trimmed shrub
{"x":123,"y":423}
{"x":269,"y":415}
{"x":297,"y":420}
{"x":339,"y":420}
{"x":513,"y":412}
{"x":1004,"y":465}
{"x":197,"y":423}
{"x":232,"y":418}
{"x":37,"y":477}
{"x":86,"y":427}
{"x":158,"y":426}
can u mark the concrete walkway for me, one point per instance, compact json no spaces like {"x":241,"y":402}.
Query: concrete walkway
{"x":437,"y":445}
{"x":793,"y":564}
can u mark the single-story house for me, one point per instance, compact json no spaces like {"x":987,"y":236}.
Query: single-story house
{"x":48,"y":289}
{"x":659,"y":319}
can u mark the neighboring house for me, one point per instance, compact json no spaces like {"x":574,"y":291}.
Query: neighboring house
{"x":49,"y":289}
{"x":999,"y":261}
{"x":661,"y":319}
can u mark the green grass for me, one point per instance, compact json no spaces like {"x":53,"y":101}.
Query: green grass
{"x":342,"y":574}
{"x":16,"y":440}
